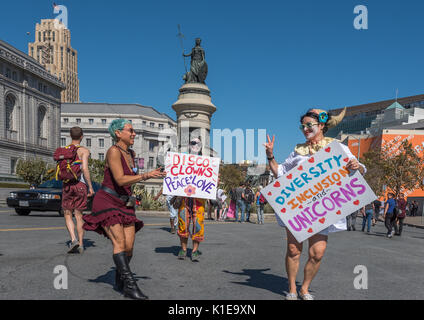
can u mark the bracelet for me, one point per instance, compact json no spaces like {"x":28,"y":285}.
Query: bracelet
{"x":270,"y":159}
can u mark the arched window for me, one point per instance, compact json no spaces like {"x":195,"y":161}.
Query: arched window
{"x":10,"y":108}
{"x":41,"y":125}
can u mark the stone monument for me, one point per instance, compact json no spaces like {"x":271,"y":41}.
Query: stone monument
{"x":194,"y":107}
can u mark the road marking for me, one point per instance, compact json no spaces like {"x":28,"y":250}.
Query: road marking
{"x":64,"y":228}
{"x":34,"y":229}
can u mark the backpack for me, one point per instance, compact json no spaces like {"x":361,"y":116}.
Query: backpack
{"x":233,"y":195}
{"x":249,"y":195}
{"x":68,"y":167}
{"x":262,"y":199}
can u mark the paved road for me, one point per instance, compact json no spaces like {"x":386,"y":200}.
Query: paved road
{"x":239,"y":261}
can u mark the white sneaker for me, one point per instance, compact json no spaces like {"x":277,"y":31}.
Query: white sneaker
{"x":291,"y":296}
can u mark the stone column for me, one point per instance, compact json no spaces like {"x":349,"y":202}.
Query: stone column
{"x":194,"y":110}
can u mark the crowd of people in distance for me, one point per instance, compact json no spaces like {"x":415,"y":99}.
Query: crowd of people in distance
{"x":393,"y":212}
{"x":241,"y":200}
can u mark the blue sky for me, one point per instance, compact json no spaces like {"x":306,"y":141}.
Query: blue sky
{"x":269,"y":61}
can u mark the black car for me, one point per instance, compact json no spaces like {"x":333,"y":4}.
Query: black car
{"x":46,"y":197}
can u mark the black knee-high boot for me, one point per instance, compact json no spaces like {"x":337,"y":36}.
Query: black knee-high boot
{"x":119,"y":283}
{"x":130,"y":288}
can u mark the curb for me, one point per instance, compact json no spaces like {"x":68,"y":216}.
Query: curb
{"x":414,"y":225}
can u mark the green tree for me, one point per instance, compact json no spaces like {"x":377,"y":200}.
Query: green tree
{"x":230,"y":176}
{"x":396,"y":166}
{"x":33,"y":171}
{"x":97,"y":169}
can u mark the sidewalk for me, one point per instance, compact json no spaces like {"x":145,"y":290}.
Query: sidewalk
{"x":417,"y":222}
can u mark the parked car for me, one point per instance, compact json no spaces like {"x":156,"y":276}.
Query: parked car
{"x":45,"y":197}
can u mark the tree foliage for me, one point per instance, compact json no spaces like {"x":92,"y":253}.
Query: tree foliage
{"x":396,"y":166}
{"x":97,"y":169}
{"x":34,"y":170}
{"x":230,"y":176}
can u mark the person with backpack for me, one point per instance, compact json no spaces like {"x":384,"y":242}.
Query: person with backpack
{"x":260,"y":204}
{"x":72,"y":170}
{"x":401,"y":205}
{"x":113,"y":213}
{"x":248,"y":198}
{"x":390,"y":214}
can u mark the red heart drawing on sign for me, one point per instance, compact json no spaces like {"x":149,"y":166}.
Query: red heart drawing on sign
{"x":356,"y":202}
{"x":300,"y":207}
{"x":311,"y":160}
{"x":283,"y":210}
{"x":346,"y":159}
{"x":269,"y":193}
{"x":289,"y":176}
{"x":322,"y":220}
{"x":277,"y":185}
{"x":339,"y":212}
{"x":339,"y":183}
{"x":310,"y":230}
{"x":300,"y":168}
{"x":328,"y":149}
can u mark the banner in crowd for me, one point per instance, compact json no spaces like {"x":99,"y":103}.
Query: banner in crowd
{"x":189,"y":175}
{"x":318,"y":192}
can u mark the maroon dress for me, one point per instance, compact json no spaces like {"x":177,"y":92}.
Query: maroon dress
{"x":109,"y":210}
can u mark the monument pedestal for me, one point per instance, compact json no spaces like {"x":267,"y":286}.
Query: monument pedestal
{"x":194,"y":110}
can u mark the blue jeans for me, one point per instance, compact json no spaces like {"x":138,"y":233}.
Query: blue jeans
{"x":260,"y":208}
{"x":247,"y":209}
{"x":367,"y":218}
{"x":240,"y":205}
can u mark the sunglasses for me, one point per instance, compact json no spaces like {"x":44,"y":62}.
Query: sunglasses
{"x":193,"y":143}
{"x":130,"y":130}
{"x":308,"y":125}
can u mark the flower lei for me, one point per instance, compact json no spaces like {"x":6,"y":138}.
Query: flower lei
{"x":306,"y":149}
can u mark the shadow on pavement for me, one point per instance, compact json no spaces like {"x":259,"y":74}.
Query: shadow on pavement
{"x":109,"y":278}
{"x":168,"y":230}
{"x":174,"y":250}
{"x":259,"y":279}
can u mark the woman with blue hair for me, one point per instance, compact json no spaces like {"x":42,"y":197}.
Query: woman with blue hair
{"x":113,"y":210}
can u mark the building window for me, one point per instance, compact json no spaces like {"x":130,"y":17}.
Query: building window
{"x":152,"y":125}
{"x":65,"y":120}
{"x":101,"y":156}
{"x":10,"y":108}
{"x":88,"y":142}
{"x":8,"y":73}
{"x":41,"y":121}
{"x":14,"y":76}
{"x":103,"y":121}
{"x":90,"y":121}
{"x":101,"y":143}
{"x":152,"y":145}
{"x":78,"y":121}
{"x":39,"y":36}
{"x":160,"y":125}
{"x":40,"y":87}
{"x":13,"y":162}
{"x":63,"y":142}
{"x":144,"y":123}
{"x":151,"y":162}
{"x":54,"y":36}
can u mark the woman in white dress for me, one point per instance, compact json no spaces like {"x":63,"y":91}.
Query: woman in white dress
{"x":314,"y":124}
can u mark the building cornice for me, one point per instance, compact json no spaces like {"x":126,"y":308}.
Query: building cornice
{"x":24,"y":63}
{"x":115,"y":116}
{"x":20,"y":87}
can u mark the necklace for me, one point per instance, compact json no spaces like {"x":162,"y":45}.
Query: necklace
{"x":127,"y":152}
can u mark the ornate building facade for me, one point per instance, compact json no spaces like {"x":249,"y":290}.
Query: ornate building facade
{"x":52,"y":49}
{"x":29,"y":109}
{"x":155,"y":131}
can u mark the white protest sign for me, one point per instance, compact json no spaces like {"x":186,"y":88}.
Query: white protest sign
{"x":318,"y":193}
{"x":189,"y":175}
